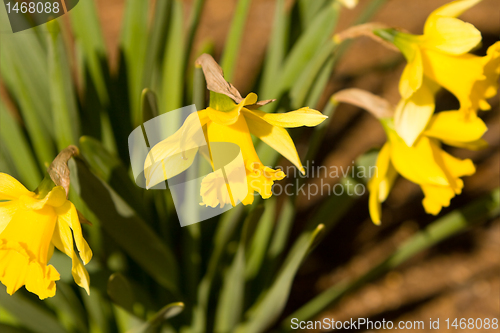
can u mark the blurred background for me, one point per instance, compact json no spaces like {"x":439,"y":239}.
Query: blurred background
{"x":458,"y":278}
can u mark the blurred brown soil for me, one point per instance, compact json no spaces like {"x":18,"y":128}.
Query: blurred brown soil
{"x":459,"y":278}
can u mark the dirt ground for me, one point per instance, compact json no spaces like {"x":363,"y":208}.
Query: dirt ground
{"x":459,"y":278}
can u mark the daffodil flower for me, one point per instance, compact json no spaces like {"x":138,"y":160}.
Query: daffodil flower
{"x":425,"y":163}
{"x":31,"y":224}
{"x":441,"y":57}
{"x":233,"y":123}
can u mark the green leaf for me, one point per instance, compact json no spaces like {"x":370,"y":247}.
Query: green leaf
{"x":63,"y":100}
{"x":231,"y":297}
{"x":156,"y":42}
{"x":268,"y":309}
{"x":110,"y":168}
{"x":30,"y":315}
{"x":18,"y":148}
{"x":130,"y":232}
{"x":304,"y":50}
{"x":134,"y":45}
{"x":233,"y":42}
{"x":23,"y":64}
{"x":173,"y":65}
{"x":169,"y":311}
{"x":277,"y":47}
{"x":309,"y":9}
{"x":449,"y":225}
{"x":87,"y":31}
{"x":260,"y":242}
{"x":307,"y":78}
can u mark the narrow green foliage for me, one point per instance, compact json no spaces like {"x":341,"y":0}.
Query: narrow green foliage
{"x":63,"y":99}
{"x":234,"y":38}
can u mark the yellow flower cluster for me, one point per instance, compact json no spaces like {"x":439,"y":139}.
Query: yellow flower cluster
{"x":438,"y":58}
{"x":31,"y":225}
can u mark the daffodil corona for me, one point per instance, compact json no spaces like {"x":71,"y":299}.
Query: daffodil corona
{"x":31,"y":224}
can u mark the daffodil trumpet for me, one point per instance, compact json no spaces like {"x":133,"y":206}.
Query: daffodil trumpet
{"x":32,"y":224}
{"x":229,"y":118}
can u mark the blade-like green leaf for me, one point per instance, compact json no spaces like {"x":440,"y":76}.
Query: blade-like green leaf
{"x":30,"y":315}
{"x":268,"y":309}
{"x":63,"y":100}
{"x":233,"y":42}
{"x":129,"y":231}
{"x":87,"y":30}
{"x":169,"y":311}
{"x":277,"y":47}
{"x":260,"y":242}
{"x":307,"y":78}
{"x":110,"y":169}
{"x":231,"y":299}
{"x":309,"y":9}
{"x":304,"y":49}
{"x":18,"y":148}
{"x":134,"y":45}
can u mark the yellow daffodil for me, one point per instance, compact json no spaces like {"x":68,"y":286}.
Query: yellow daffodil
{"x":425,"y":163}
{"x":231,"y":123}
{"x":31,"y":224}
{"x":441,"y":54}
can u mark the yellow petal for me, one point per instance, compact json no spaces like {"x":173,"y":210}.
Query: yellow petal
{"x":41,"y":280}
{"x":413,"y":74}
{"x":413,"y":114}
{"x":10,"y":188}
{"x":230,"y":117}
{"x":417,"y":163}
{"x":453,"y":126}
{"x":436,"y":197}
{"x":33,"y":229}
{"x":63,"y":240}
{"x":301,"y":117}
{"x":472,"y":145}
{"x":450,"y":35}
{"x":380,"y":184}
{"x":473,"y":83}
{"x":276,"y":137}
{"x":67,"y":214}
{"x":453,"y":9}
{"x":7,"y":211}
{"x":176,"y":153}
{"x":55,"y":198}
{"x":24,"y":250}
